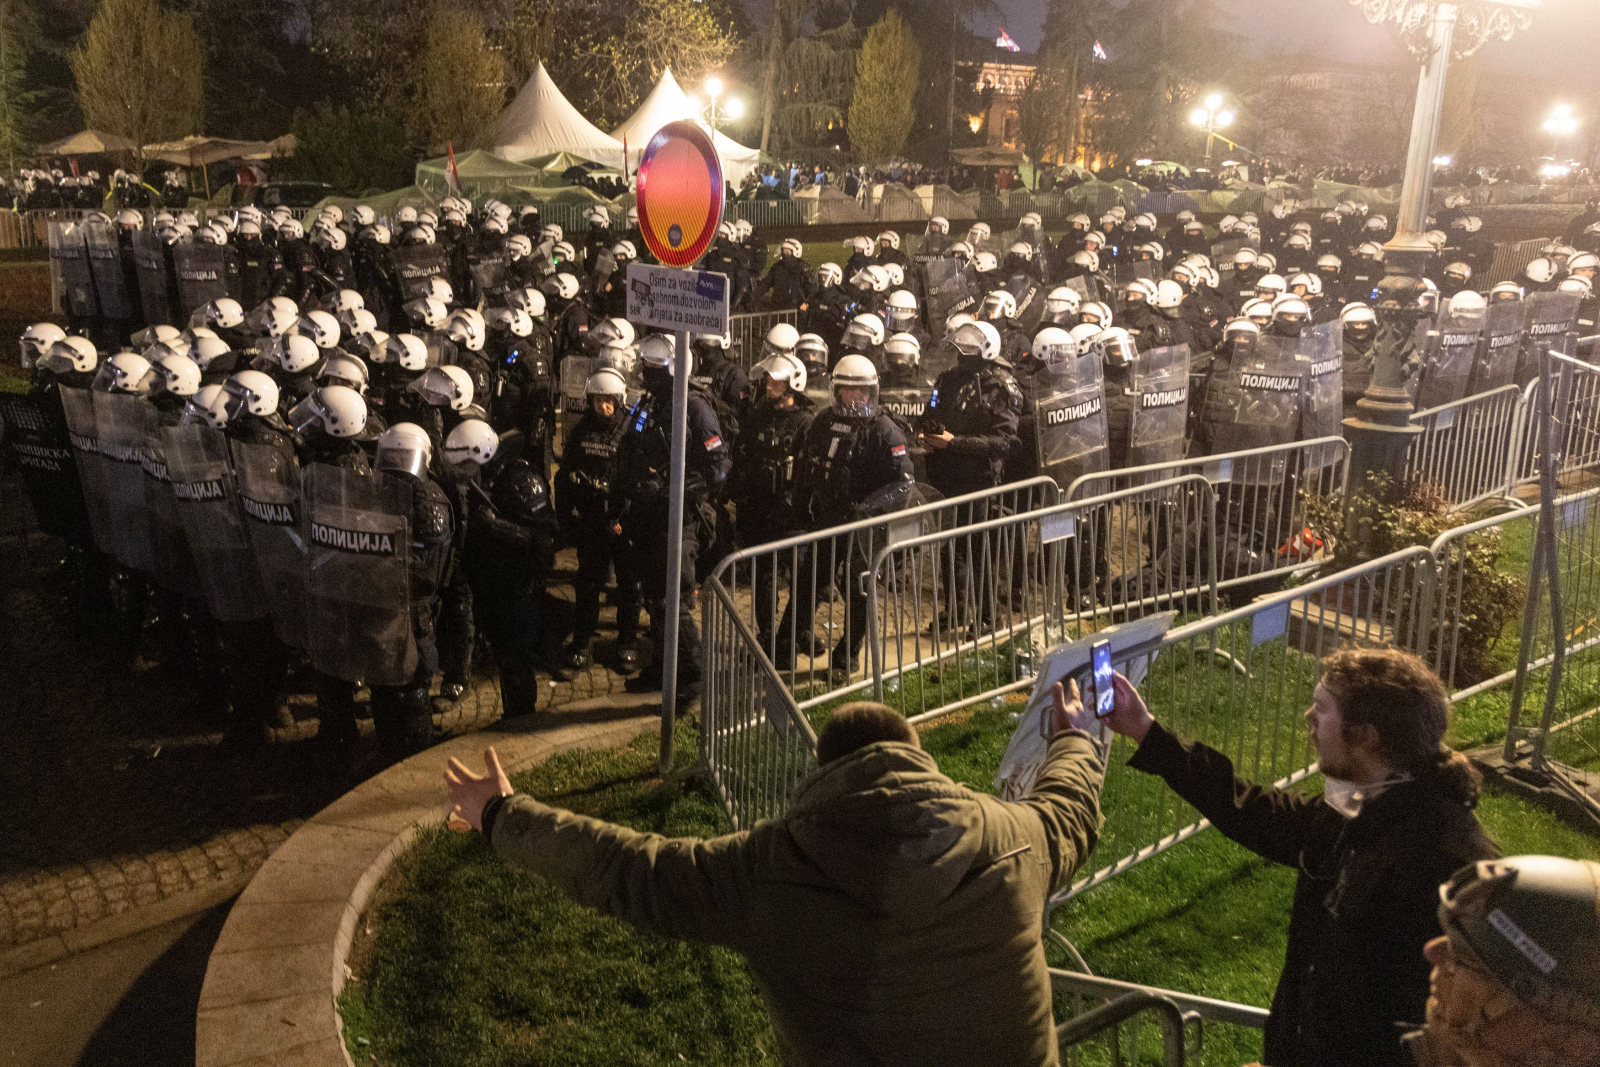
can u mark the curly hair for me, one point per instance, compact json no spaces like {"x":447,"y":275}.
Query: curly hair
{"x":1405,"y":703}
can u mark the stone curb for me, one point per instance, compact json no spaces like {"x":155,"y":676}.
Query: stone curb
{"x":279,"y":964}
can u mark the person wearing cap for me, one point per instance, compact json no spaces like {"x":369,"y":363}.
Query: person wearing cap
{"x":1395,"y":818}
{"x":1516,"y":974}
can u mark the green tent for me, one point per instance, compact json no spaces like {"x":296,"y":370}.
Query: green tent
{"x":385,"y":204}
{"x":482,"y":175}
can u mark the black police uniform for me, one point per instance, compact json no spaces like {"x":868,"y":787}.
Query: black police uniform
{"x":766,"y":464}
{"x":526,"y":391}
{"x":786,"y":281}
{"x":583,"y":491}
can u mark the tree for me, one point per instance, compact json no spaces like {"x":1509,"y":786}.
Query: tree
{"x":881,"y":109}
{"x":138,"y":71}
{"x":353,"y":151}
{"x":15,"y":99}
{"x":461,"y":81}
{"x":807,"y":71}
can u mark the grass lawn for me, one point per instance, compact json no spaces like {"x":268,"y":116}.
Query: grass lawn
{"x":474,"y":963}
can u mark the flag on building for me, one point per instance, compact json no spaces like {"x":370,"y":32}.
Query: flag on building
{"x":1100,"y":51}
{"x":1005,"y":41}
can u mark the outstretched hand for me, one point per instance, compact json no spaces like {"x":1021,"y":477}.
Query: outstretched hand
{"x":1129,"y":716}
{"x":469,"y":792}
{"x":1067,"y":711}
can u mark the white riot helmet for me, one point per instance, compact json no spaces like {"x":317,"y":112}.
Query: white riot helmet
{"x":1505,"y":291}
{"x":901,"y":312}
{"x":1083,"y":335}
{"x":743,"y":228}
{"x":206,"y":350}
{"x":407,"y":351}
{"x":1239,"y":327}
{"x":1466,"y":301}
{"x":999,"y":304}
{"x":1244,"y":257}
{"x":551,"y":232}
{"x":291,"y":230}
{"x":624,"y":250}
{"x":1054,"y":345}
{"x":978,"y":233}
{"x":1168,"y":294}
{"x":561,"y":284}
{"x":175,"y":374}
{"x":1101,"y":311}
{"x":979,"y":339}
{"x":878,"y":278}
{"x":1140,"y":290}
{"x":1459,"y":272}
{"x":151,"y":334}
{"x":332,"y":237}
{"x":985,"y":262}
{"x":1062,"y":304}
{"x":36,"y":341}
{"x":1021,"y":250}
{"x":251,"y":391}
{"x":656,"y":351}
{"x":902,"y":349}
{"x":897,"y":274}
{"x":321,"y":327}
{"x":428,"y":312}
{"x":70,"y":353}
{"x":338,"y":409}
{"x":607,"y":381}
{"x":358,"y":322}
{"x":363,"y":215}
{"x":439,"y":289}
{"x":404,"y":448}
{"x":224,"y":313}
{"x":939,"y":224}
{"x":858,"y":375}
{"x":791,"y":246}
{"x":345,"y":370}
{"x":812,"y":349}
{"x":955,"y":322}
{"x":275,"y":321}
{"x":830,"y":274}
{"x":613,"y":331}
{"x":961,"y":251}
{"x":346,"y":300}
{"x":518,"y":246}
{"x":466,"y":327}
{"x":405,"y":215}
{"x":890,"y":238}
{"x":1584,"y":261}
{"x":514,"y":321}
{"x":470,"y":445}
{"x":1357,"y":313}
{"x":785,"y":367}
{"x":379,"y":234}
{"x":1267,"y":262}
{"x":125,"y":372}
{"x":1576,"y":283}
{"x":1257,"y":311}
{"x":1291,"y":311}
{"x":1116,"y":346}
{"x":1269,"y":286}
{"x":444,"y":387}
{"x":208,"y":406}
{"x":529,"y":300}
{"x":855,"y":244}
{"x":293,"y":352}
{"x":1540,"y":270}
{"x":492,"y":224}
{"x":864,"y":331}
{"x":780,"y":340}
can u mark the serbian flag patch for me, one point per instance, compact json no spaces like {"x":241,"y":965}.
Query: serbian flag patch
{"x":712,"y":442}
{"x":897,"y":451}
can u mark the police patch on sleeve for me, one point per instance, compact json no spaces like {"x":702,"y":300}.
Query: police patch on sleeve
{"x":712,"y":442}
{"x":897,"y":451}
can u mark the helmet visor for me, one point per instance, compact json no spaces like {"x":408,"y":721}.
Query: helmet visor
{"x":1118,"y":351}
{"x":857,"y":337}
{"x":433,"y":389}
{"x":900,"y":320}
{"x":855,"y":401}
{"x":1059,"y":353}
{"x":403,"y":459}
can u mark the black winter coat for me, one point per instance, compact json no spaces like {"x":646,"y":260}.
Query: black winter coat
{"x":1365,"y":902}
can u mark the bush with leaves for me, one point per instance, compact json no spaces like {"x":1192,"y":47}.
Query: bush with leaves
{"x":1481,"y":596}
{"x":352,"y":150}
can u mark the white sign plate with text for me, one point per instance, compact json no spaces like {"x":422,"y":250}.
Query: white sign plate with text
{"x":666,"y":298}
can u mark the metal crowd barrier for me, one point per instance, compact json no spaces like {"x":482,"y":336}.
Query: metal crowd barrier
{"x":750,"y":330}
{"x":1511,"y":256}
{"x":1576,"y":406}
{"x":1465,"y":446}
{"x":1261,"y":496}
{"x":974,"y":606}
{"x":1240,"y":682}
{"x":1455,"y":567}
{"x":760,"y":582}
{"x":765,"y":213}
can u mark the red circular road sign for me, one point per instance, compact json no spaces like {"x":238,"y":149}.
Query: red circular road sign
{"x":679,"y":193}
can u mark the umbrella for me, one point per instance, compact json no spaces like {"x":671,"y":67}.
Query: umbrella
{"x":87,"y":143}
{"x":199,"y":151}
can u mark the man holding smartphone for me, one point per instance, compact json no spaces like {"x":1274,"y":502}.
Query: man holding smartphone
{"x":1394,"y":821}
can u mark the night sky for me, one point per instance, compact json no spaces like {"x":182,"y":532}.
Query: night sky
{"x":1559,"y":46}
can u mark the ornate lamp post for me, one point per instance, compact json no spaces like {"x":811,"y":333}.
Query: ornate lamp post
{"x":1211,"y":117}
{"x":1434,"y":30}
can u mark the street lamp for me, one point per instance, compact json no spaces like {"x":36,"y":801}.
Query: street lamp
{"x":1211,"y":116}
{"x":1561,"y":123}
{"x":718,"y":110}
{"x":1434,"y":31}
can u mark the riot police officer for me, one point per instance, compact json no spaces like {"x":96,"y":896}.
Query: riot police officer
{"x":640,"y":507}
{"x":526,"y":388}
{"x":852,"y":453}
{"x":509,"y":548}
{"x":786,"y":278}
{"x":1000,"y":310}
{"x":583,"y":492}
{"x":1360,"y":331}
{"x":723,"y":380}
{"x":569,"y":317}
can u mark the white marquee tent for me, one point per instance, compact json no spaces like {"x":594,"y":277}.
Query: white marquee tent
{"x":541,"y":122}
{"x":666,"y":103}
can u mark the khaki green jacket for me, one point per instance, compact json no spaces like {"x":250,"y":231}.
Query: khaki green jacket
{"x":890,"y":917}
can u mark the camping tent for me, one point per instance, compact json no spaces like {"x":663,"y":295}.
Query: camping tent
{"x":943,"y":200}
{"x":668,"y":103}
{"x":542,"y":122}
{"x":482,"y":176}
{"x":825,"y":205}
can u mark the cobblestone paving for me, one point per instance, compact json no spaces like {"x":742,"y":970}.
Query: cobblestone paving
{"x":114,"y":795}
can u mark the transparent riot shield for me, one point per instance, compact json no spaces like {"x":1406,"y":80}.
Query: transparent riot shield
{"x":202,"y":275}
{"x":1069,"y":403}
{"x":415,"y":265}
{"x":1550,"y":315}
{"x":1268,"y":382}
{"x":492,"y":275}
{"x":946,"y":291}
{"x":1159,"y":379}
{"x":358,"y":550}
{"x":69,"y":261}
{"x":1452,"y":348}
{"x":1224,"y":250}
{"x":575,"y":371}
{"x":1322,"y":408}
{"x":1029,"y":295}
{"x":208,"y":506}
{"x":172,"y":564}
{"x":605,"y":265}
{"x":122,"y":422}
{"x":269,"y":495}
{"x":105,"y":263}
{"x":42,"y":450}
{"x":150,"y":264}
{"x":1495,"y":363}
{"x":78,"y":407}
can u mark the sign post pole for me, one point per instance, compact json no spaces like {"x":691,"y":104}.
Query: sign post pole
{"x":680,"y":198}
